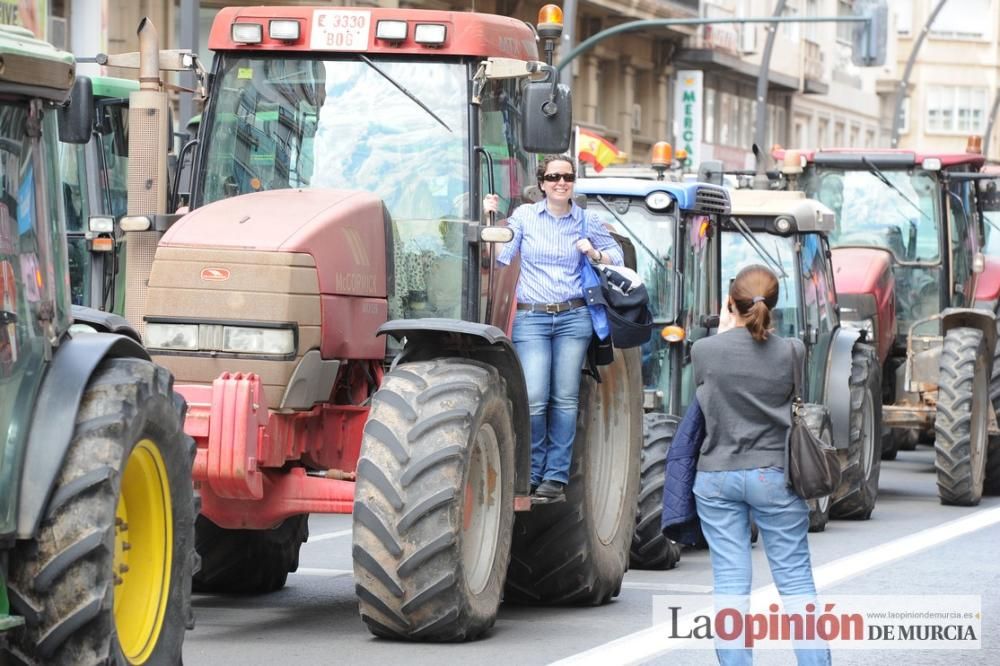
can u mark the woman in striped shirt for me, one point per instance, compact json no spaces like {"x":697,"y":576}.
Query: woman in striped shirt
{"x":552,"y":327}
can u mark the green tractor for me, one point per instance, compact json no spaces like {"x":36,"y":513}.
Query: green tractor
{"x":94,"y":182}
{"x":842,"y":381}
{"x":96,"y":503}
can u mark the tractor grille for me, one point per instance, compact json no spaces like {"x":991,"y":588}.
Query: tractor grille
{"x":711,"y":200}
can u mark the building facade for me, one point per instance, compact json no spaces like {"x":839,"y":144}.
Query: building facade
{"x":685,"y":84}
{"x":954,"y":85}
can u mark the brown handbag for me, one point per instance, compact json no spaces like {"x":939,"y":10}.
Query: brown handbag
{"x":813,"y":467}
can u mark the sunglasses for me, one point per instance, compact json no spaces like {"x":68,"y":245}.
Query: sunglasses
{"x":555,"y":177}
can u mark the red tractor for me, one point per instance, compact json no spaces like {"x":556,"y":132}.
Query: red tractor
{"x":341,"y":161}
{"x":911,"y":273}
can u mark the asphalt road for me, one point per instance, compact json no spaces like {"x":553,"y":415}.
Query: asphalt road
{"x":314,"y":619}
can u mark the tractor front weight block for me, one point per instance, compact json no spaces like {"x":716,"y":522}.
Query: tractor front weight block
{"x":240,"y":467}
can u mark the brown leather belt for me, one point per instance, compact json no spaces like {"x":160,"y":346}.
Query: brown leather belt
{"x":552,"y":308}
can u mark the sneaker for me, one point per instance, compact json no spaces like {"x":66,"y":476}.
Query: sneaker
{"x":553,"y":491}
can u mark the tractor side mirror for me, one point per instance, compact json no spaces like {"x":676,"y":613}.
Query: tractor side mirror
{"x":547,"y":118}
{"x":76,"y":118}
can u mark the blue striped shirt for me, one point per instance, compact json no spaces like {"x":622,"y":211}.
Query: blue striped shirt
{"x":550,"y":262}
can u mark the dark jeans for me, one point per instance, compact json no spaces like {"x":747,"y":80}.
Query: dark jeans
{"x":552,"y":348}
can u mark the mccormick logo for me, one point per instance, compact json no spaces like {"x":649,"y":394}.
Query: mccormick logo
{"x":215,"y":274}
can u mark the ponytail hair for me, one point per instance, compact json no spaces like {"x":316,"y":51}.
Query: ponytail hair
{"x":755,"y":293}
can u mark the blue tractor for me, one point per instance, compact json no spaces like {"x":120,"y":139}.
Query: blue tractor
{"x":674,"y":228}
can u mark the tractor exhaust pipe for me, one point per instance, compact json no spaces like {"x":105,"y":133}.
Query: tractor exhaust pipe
{"x":149,"y":55}
{"x":147,"y":170}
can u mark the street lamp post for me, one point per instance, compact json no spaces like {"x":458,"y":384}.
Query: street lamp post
{"x":760,"y":127}
{"x":897,"y":120}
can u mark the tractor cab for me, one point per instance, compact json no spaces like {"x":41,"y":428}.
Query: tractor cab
{"x":94,"y":181}
{"x":921,"y":210}
{"x":674,"y":230}
{"x":787,"y":232}
{"x":673,"y":227}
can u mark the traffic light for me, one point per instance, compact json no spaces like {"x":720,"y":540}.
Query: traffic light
{"x":868,"y":38}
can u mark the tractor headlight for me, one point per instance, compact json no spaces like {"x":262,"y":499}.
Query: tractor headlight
{"x":246,"y":340}
{"x":182,"y":337}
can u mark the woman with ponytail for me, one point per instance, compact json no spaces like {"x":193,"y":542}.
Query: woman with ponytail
{"x":744,"y":378}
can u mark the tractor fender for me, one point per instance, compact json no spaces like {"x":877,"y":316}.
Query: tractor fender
{"x":104,"y":322}
{"x":431,"y":338}
{"x":984,"y":320}
{"x":987,"y":294}
{"x":63,"y":385}
{"x":838,"y":384}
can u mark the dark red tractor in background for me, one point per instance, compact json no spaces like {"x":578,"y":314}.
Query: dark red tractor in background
{"x":910,"y":272}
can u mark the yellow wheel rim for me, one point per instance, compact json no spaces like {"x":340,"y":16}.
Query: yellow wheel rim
{"x":143,"y":549}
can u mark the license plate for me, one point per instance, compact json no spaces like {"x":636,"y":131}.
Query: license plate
{"x":340,"y":30}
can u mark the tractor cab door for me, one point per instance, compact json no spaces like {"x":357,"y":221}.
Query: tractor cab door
{"x":32,"y":257}
{"x":963,"y":241}
{"x":819,"y":301}
{"x":505,"y":169}
{"x":699,"y":246}
{"x":95,"y":182}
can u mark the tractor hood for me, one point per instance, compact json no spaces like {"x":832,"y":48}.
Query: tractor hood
{"x":861,"y":271}
{"x":344,"y":232}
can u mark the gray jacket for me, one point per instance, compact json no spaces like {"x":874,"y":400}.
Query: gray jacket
{"x":745,"y":390}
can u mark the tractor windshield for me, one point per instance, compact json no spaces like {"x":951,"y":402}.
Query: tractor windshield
{"x":737,"y":254}
{"x":394,"y":127}
{"x":652,"y":234}
{"x":892,"y":209}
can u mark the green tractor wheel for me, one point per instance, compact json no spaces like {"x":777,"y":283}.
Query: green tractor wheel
{"x":817,"y":419}
{"x":861,"y":461}
{"x":107,"y":580}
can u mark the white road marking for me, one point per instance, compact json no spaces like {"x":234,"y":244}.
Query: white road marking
{"x":669,"y":587}
{"x":332,"y":573}
{"x":646,"y":644}
{"x":328,"y":535}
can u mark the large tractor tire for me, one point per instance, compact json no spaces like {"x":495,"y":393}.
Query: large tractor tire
{"x":650,"y":549}
{"x":962,"y":418}
{"x":108,"y":578}
{"x":248,"y":561}
{"x":434,"y":503}
{"x":861,"y":461}
{"x":991,"y":484}
{"x":577,"y":551}
{"x":817,"y":419}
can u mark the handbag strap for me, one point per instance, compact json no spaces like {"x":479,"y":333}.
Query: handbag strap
{"x":797,"y":369}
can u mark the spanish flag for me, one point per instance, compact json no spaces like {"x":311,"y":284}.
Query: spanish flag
{"x":594,"y":149}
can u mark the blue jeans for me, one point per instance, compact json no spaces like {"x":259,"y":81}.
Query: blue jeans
{"x":552,"y":348}
{"x":726,"y":502}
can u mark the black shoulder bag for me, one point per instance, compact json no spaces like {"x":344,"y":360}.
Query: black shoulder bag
{"x":813,"y":467}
